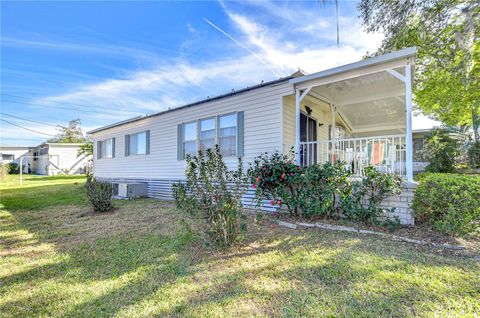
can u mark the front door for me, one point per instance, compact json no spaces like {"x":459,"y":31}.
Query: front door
{"x":308,"y":133}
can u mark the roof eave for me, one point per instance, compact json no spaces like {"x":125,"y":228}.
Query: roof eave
{"x":401,"y":54}
{"x":134,"y":119}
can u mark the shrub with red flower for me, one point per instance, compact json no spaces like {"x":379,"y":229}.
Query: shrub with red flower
{"x":276,"y":178}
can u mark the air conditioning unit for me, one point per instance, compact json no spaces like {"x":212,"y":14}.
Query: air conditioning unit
{"x":131,"y":190}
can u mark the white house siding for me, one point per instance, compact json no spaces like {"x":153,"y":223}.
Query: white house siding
{"x":17,"y":152}
{"x":262,"y":133}
{"x":59,"y":159}
{"x":64,"y":159}
{"x":40,"y":164}
{"x":320,"y":112}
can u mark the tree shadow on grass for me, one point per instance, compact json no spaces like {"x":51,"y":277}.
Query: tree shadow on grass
{"x":355,"y":281}
{"x":284,"y":274}
{"x":132,"y":262}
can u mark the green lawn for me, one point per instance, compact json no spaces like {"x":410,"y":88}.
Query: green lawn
{"x":145,"y":260}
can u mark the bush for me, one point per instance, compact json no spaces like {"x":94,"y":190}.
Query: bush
{"x":440,"y":151}
{"x":100,"y":194}
{"x":362,"y":204}
{"x":321,"y":186}
{"x":4,"y":170}
{"x":276,"y":178}
{"x":214,"y":192}
{"x":320,"y":190}
{"x":12,"y":168}
{"x":449,"y":202}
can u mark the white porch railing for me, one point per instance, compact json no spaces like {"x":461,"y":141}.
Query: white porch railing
{"x":385,"y":153}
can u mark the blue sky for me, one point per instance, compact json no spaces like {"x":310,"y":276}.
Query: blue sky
{"x":107,"y":61}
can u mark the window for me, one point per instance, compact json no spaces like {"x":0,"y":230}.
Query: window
{"x":106,"y":148}
{"x":207,"y":134}
{"x":189,"y":139}
{"x":137,"y":144}
{"x":8,"y":157}
{"x":203,"y":134}
{"x":35,"y":156}
{"x":43,"y":151}
{"x":227,"y":135}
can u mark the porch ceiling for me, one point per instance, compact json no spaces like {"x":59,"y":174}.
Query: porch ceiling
{"x":369,"y":95}
{"x":373,"y":102}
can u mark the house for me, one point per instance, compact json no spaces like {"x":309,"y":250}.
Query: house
{"x":58,"y":158}
{"x":15,"y":154}
{"x":419,"y":137}
{"x":360,"y":113}
{"x":47,"y":158}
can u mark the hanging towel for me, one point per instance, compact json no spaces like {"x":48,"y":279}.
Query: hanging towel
{"x":377,"y":153}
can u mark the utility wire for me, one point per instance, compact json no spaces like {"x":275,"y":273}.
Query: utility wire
{"x":103,"y":111}
{"x":58,"y":102}
{"x":35,"y":131}
{"x":50,"y":106}
{"x":30,"y":120}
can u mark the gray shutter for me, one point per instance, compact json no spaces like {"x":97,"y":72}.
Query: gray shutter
{"x":99,"y":149}
{"x":147,"y":137}
{"x":179,"y":143}
{"x":113,"y":147}
{"x":240,"y":139}
{"x":127,"y":145}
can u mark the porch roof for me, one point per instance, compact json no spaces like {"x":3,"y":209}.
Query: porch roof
{"x":373,"y":95}
{"x":368,"y":95}
{"x":366,"y":64}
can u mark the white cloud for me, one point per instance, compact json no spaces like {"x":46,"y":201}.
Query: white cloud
{"x":307,"y":51}
{"x":166,"y":86}
{"x":82,"y":48}
{"x":282,"y":45}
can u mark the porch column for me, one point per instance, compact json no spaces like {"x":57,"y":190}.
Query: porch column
{"x":408,"y":137}
{"x":334,"y":135}
{"x":298,"y":99}
{"x":297,"y":126}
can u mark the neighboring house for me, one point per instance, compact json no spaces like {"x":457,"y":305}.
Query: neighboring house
{"x":15,"y":154}
{"x":419,"y":137}
{"x":360,"y":113}
{"x":57,"y":158}
{"x":47,"y":158}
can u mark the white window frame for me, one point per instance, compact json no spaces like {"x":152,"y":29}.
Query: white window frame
{"x":199,"y":131}
{"x":103,"y":155}
{"x":196,"y":137}
{"x":216,"y":118}
{"x":236,"y":133}
{"x":130,"y":140}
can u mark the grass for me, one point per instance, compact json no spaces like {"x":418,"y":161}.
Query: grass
{"x":145,"y":260}
{"x":41,"y":191}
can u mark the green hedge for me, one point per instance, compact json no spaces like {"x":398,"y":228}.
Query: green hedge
{"x":449,"y":202}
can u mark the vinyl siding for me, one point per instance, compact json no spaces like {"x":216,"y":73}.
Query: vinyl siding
{"x":262,"y":132}
{"x":320,"y":112}
{"x":64,"y":157}
{"x":59,"y":158}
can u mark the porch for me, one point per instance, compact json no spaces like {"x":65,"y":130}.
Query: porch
{"x":360,"y":113}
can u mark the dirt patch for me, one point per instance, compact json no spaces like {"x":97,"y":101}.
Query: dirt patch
{"x":70,"y":225}
{"x":94,"y":213}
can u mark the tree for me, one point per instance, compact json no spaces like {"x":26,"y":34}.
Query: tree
{"x":71,"y":134}
{"x":86,"y":148}
{"x":446,"y":34}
